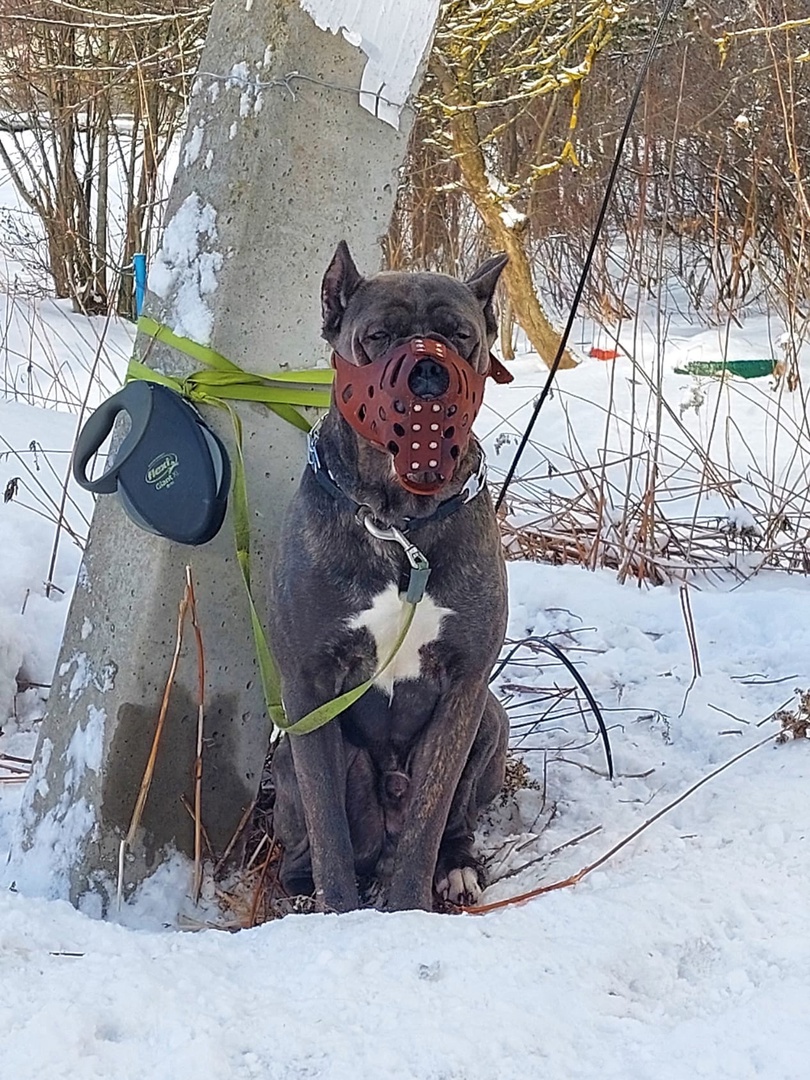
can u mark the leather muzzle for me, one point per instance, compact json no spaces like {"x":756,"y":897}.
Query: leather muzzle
{"x":418,"y":402}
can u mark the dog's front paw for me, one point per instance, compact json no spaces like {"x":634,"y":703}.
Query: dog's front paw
{"x":461,"y":886}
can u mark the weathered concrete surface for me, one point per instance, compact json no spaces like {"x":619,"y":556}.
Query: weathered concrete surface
{"x":287,"y":170}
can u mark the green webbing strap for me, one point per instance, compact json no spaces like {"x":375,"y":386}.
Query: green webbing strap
{"x":224,"y":380}
{"x":213,"y":387}
{"x":271,"y":682}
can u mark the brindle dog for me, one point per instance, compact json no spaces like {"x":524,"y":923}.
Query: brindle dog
{"x":389,"y":792}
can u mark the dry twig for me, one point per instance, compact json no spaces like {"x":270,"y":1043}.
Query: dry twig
{"x":149,"y":771}
{"x":574,"y":879}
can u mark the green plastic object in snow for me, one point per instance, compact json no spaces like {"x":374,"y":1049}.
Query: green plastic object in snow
{"x":746,"y":369}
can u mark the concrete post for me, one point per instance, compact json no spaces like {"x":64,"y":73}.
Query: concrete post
{"x":274,"y":169}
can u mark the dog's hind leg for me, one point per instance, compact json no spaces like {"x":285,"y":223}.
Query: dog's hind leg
{"x":289,"y":825}
{"x":458,"y":875}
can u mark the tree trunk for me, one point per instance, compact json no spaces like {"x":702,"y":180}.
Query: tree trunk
{"x":505,"y":230}
{"x":507,"y":331}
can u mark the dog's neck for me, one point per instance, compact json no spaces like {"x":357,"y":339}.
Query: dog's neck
{"x":365,"y":474}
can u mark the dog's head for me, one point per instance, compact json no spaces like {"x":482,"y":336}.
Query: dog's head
{"x":428,"y":338}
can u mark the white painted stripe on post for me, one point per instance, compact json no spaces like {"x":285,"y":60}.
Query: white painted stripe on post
{"x":394,"y":35}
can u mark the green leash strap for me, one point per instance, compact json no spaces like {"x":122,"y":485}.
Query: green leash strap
{"x":192,"y":386}
{"x":224,"y":380}
{"x":324,"y":713}
{"x":271,"y":681}
{"x":215,"y":387}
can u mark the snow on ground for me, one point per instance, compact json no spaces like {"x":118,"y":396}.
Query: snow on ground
{"x":685,"y":955}
{"x":40,"y":439}
{"x":50,"y":356}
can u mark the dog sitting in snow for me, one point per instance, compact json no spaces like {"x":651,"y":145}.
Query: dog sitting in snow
{"x":386,"y":795}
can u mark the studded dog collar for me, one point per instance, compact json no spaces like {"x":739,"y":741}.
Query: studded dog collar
{"x":474,"y":484}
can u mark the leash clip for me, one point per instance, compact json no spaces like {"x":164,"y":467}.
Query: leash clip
{"x":313,"y":460}
{"x":419,"y":566}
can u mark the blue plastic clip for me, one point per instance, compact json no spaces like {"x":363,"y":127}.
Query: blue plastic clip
{"x":139,"y":266}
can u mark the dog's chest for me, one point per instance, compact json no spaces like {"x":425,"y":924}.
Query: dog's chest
{"x":384,"y":620}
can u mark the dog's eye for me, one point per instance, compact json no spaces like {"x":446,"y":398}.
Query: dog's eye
{"x":377,"y":335}
{"x":463,"y":335}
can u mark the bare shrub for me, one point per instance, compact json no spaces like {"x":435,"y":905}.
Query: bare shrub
{"x":716,"y":158}
{"x":90,"y":100}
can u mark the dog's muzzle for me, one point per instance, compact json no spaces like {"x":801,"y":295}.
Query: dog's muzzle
{"x":418,"y":402}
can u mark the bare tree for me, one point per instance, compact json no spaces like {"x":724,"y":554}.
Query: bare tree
{"x":516,"y":134}
{"x":494,"y":64}
{"x":91,"y":97}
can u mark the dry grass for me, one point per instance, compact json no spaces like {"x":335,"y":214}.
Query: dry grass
{"x":795,"y":724}
{"x":247,"y":886}
{"x":49,"y":356}
{"x":658,"y":503}
{"x":14,"y":770}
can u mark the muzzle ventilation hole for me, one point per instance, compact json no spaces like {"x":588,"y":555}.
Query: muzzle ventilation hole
{"x":395,"y":370}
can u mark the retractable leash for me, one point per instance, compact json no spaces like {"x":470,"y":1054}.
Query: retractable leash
{"x":171,"y":472}
{"x":589,"y":257}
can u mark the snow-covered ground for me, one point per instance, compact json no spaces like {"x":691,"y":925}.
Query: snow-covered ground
{"x":686,"y":954}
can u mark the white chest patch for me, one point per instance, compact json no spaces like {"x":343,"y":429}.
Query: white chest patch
{"x":383,"y":620}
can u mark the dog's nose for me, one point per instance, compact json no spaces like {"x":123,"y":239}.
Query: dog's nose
{"x":429,"y":379}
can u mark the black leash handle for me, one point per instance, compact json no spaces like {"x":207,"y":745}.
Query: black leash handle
{"x":589,"y":257}
{"x":135,"y":399}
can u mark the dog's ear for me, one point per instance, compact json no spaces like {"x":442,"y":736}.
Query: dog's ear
{"x":482,"y":286}
{"x":339,"y":283}
{"x":483,"y":281}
